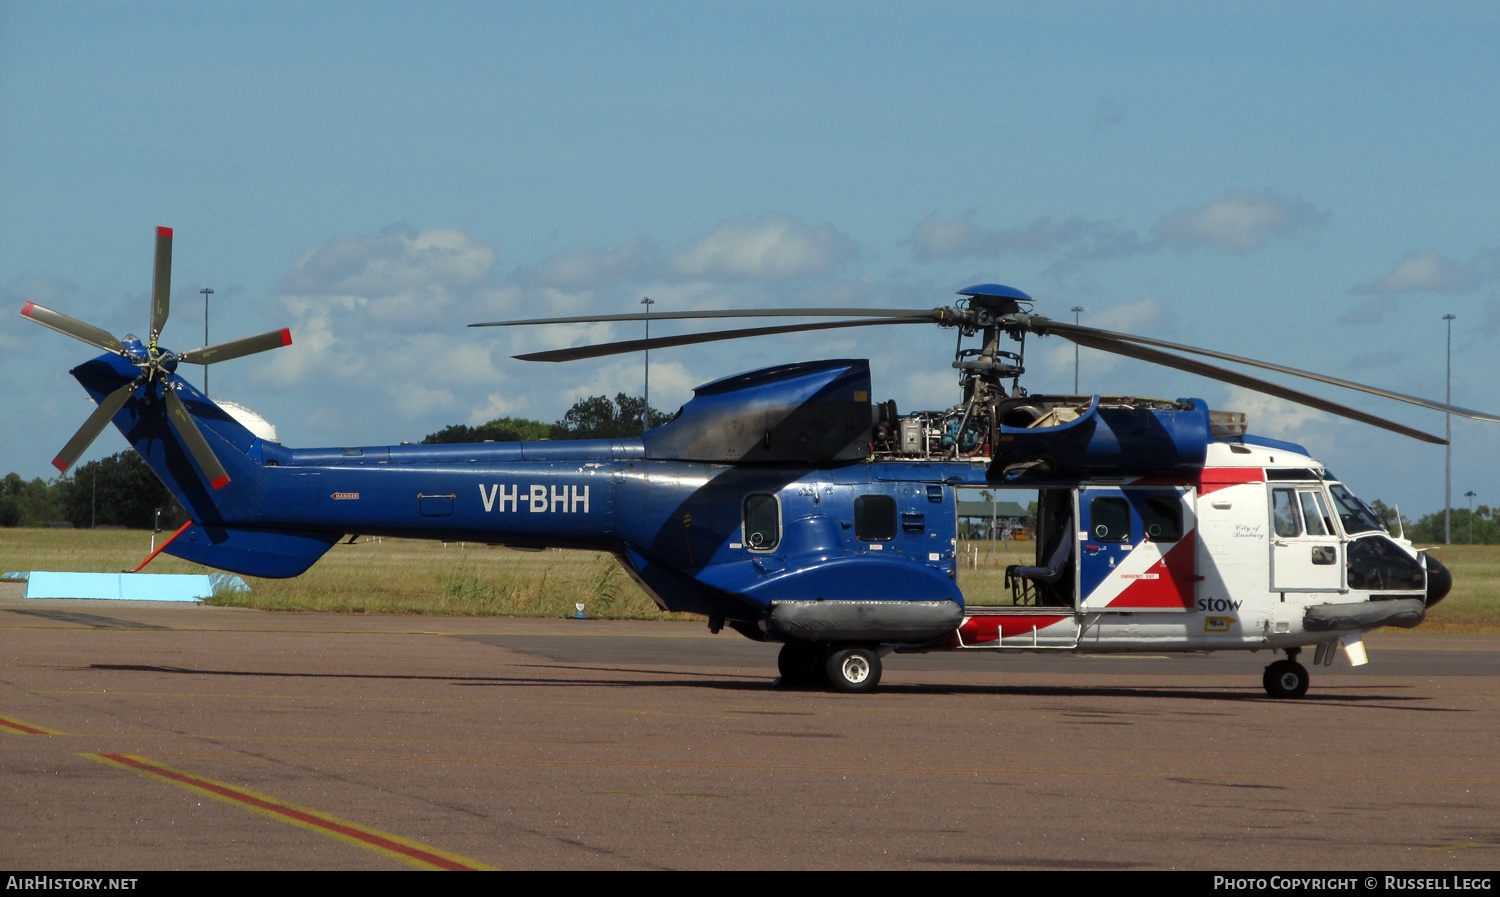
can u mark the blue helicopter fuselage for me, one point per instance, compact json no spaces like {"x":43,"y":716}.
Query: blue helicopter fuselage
{"x":761,"y":490}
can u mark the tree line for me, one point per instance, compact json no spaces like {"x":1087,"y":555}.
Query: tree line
{"x":596,"y":417}
{"x":1479,"y":527}
{"x":122,"y":491}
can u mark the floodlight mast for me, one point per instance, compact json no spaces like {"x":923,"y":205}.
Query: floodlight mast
{"x":1448,"y":434}
{"x":646,"y":403}
{"x":206,"y":293}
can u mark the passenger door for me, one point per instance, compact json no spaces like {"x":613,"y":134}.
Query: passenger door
{"x":1137,"y":549}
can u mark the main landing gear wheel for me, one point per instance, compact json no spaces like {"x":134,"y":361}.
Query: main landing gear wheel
{"x":853,"y":669}
{"x":1286,"y":679}
{"x":800,"y":666}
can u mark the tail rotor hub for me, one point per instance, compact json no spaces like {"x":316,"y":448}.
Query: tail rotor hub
{"x":154,"y":363}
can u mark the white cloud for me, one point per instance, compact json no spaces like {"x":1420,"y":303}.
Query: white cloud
{"x":1239,"y":221}
{"x":1370,"y":311}
{"x":394,"y":262}
{"x":414,"y":400}
{"x":1278,"y":418}
{"x":496,"y":405}
{"x":671,"y":382}
{"x":575,"y":269}
{"x":783,"y":248}
{"x":1423,"y":272}
{"x":959,"y":237}
{"x":1146,"y":317}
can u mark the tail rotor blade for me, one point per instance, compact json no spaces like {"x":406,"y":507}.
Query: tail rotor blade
{"x":92,"y":428}
{"x":73,"y":327}
{"x":161,"y":281}
{"x":187,"y":428}
{"x":665,"y":342}
{"x":238,"y":348}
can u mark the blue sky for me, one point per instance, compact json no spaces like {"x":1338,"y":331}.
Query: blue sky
{"x":1310,"y":184}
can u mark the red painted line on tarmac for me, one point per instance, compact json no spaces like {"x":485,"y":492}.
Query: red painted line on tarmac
{"x":15,"y":725}
{"x":341,"y":829}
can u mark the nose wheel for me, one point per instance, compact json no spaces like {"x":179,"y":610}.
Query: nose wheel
{"x":1286,"y":678}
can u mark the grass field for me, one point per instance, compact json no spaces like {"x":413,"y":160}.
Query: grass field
{"x":412,"y":577}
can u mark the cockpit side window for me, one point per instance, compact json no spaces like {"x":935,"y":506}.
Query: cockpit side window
{"x":1318,"y":523}
{"x":1285,"y":518}
{"x":762,"y":522}
{"x":1354,"y":514}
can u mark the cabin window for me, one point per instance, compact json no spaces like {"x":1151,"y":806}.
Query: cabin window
{"x":1161,"y":516}
{"x":1284,"y":516}
{"x":1110,"y":519}
{"x":762,"y":522}
{"x":874,"y":518}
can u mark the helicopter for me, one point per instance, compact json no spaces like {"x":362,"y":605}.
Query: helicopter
{"x":787,"y":505}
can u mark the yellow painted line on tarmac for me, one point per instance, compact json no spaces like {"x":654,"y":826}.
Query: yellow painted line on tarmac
{"x":384,"y":843}
{"x":11,"y":724}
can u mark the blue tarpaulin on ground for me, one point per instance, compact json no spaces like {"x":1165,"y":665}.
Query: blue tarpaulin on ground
{"x":120,"y":586}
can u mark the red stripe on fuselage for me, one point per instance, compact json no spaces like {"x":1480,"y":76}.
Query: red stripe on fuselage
{"x":1173,"y":585}
{"x":1215,"y":478}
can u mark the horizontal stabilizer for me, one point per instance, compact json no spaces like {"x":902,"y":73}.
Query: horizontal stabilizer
{"x":274,"y":555}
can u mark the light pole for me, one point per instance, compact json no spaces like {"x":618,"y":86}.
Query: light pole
{"x":1077,"y":310}
{"x":1470,"y":495}
{"x":646,"y":410}
{"x":206,"y":293}
{"x":1448,"y":433}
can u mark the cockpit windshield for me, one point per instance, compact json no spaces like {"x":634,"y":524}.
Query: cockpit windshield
{"x":1353,"y":513}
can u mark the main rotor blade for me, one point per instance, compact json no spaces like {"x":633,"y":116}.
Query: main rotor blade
{"x":1203,"y":369}
{"x":664,"y":342}
{"x":161,"y":281}
{"x":73,"y":327}
{"x":935,"y":314}
{"x":187,"y":428}
{"x":1064,"y":330}
{"x":238,"y":348}
{"x":92,"y":427}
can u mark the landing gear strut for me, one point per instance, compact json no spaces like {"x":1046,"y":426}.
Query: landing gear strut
{"x":1286,"y":678}
{"x":801,"y":666}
